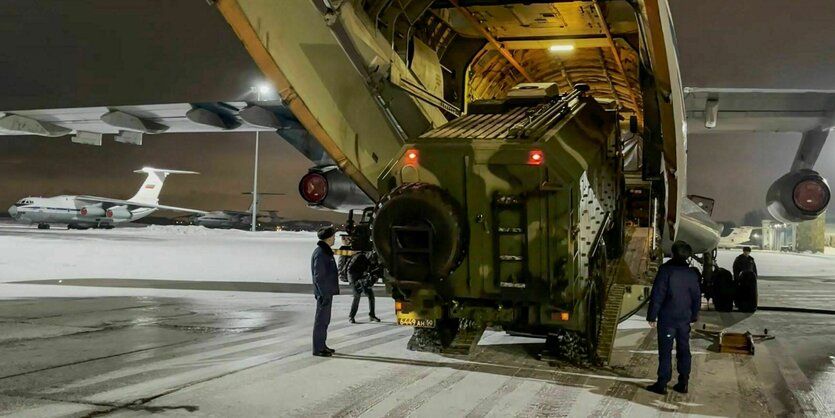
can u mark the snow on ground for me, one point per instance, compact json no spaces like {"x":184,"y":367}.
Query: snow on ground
{"x":777,"y":264}
{"x":200,"y":254}
{"x":156,"y":252}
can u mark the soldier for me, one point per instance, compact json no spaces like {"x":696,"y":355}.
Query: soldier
{"x":744,"y":262}
{"x":344,"y":252}
{"x":674,"y":305}
{"x":325,"y":286}
{"x":745,"y":273}
{"x":362,"y":278}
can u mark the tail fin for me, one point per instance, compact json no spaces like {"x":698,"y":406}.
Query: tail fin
{"x":274,"y":216}
{"x":252,"y":205}
{"x":150,"y":189}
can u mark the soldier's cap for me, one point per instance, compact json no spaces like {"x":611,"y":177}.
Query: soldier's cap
{"x":682,"y":250}
{"x":746,"y":249}
{"x":326,"y":232}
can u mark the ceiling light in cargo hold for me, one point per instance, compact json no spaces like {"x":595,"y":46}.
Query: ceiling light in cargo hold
{"x":561,"y":48}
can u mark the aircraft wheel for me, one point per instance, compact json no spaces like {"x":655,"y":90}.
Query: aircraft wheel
{"x":724,"y":290}
{"x":746,"y":295}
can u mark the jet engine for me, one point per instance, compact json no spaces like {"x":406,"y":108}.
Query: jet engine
{"x":798,"y":196}
{"x":119,"y":212}
{"x":92,"y":211}
{"x":328,"y":188}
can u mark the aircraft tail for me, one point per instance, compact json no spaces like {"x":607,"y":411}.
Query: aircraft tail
{"x":274,"y":216}
{"x":260,"y":194}
{"x":150,"y":189}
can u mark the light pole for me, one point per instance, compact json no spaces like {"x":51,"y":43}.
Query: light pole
{"x":262,"y":89}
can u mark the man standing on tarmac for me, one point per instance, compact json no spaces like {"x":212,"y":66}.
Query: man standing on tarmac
{"x":344,"y":252}
{"x":744,"y":262}
{"x":673,"y":306}
{"x":325,"y":286}
{"x":362,"y":277}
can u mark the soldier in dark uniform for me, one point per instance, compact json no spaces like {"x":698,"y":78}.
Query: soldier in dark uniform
{"x":344,"y":252}
{"x":745,"y":275}
{"x":325,"y":286}
{"x":362,"y":279}
{"x":744,"y":262}
{"x":673,"y":306}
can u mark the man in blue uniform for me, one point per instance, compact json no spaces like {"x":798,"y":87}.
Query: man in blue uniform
{"x":673,"y":306}
{"x":744,"y":262}
{"x":325,"y":286}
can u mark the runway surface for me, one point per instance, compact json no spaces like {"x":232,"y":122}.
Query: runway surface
{"x":74,"y":351}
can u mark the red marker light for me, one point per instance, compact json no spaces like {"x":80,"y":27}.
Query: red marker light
{"x":535,"y":157}
{"x":412,"y":156}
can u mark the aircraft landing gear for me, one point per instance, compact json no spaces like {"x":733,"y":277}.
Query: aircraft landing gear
{"x":43,"y":226}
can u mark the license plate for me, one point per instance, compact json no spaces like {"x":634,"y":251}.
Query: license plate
{"x":417,"y":323}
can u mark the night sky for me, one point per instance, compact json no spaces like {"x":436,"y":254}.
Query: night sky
{"x":107,"y":52}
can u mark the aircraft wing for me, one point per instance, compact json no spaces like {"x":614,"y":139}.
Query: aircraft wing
{"x":128,"y":124}
{"x":712,"y":110}
{"x":119,"y":202}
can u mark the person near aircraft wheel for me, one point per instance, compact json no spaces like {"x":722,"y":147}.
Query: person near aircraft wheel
{"x":744,"y":262}
{"x":745,"y":275}
{"x":673,"y":307}
{"x":362,"y":276}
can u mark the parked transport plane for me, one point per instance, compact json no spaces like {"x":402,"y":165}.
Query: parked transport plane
{"x":233,"y":219}
{"x":82,"y":212}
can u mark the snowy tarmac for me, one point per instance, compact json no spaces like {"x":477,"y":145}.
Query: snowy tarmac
{"x":156,"y":252}
{"x":85,"y":351}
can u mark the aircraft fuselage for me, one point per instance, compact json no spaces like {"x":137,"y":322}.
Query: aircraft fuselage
{"x":68,"y":209}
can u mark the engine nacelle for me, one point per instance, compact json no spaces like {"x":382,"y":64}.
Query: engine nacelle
{"x":798,"y":196}
{"x":92,"y":212}
{"x":329,"y":188}
{"x":119,"y":212}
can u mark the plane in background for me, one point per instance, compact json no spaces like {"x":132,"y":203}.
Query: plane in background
{"x":82,"y":212}
{"x":231,"y":219}
{"x":742,"y":236}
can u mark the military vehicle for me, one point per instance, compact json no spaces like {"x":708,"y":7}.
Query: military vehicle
{"x":506,"y":216}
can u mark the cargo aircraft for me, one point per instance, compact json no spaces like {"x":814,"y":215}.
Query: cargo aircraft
{"x":234,"y":219}
{"x":82,"y":212}
{"x":491,"y":136}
